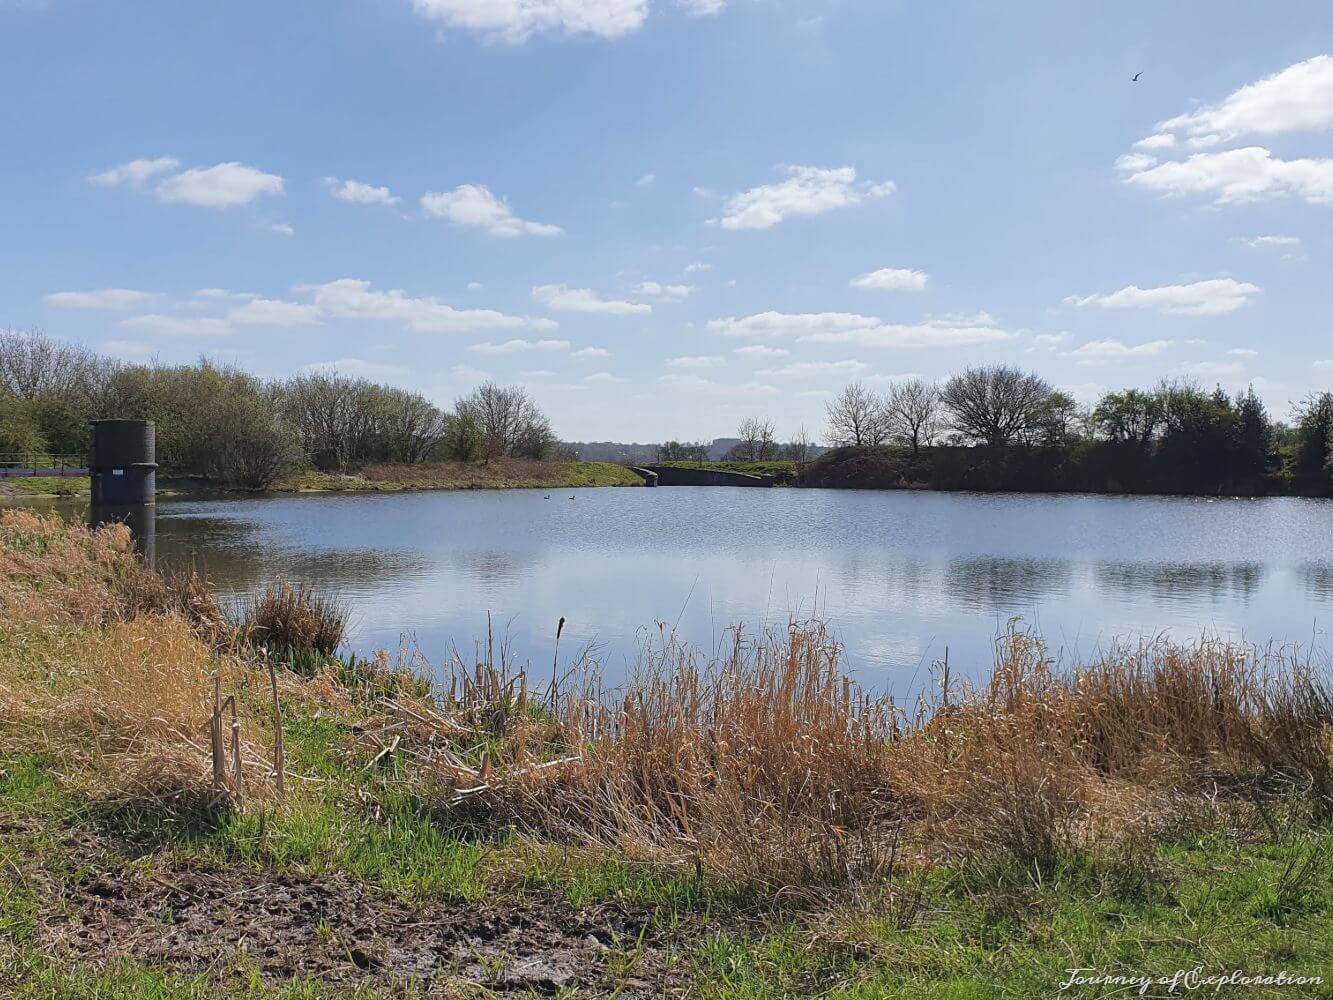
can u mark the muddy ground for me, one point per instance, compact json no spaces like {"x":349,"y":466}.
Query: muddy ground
{"x":333,"y":930}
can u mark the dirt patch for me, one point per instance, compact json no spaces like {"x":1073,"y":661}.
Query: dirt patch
{"x":336,"y":931}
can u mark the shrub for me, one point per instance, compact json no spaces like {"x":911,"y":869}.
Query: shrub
{"x":295,"y":623}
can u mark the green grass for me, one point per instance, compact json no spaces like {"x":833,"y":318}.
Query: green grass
{"x":54,"y":486}
{"x":775,"y":468}
{"x":457,"y":476}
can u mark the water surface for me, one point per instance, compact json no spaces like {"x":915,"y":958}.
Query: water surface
{"x":900,"y":576}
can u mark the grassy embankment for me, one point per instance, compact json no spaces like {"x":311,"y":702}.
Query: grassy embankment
{"x":508,"y":473}
{"x":782,"y":470}
{"x":743,"y":825}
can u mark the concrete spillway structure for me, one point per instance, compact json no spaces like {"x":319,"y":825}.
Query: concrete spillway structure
{"x":673,"y":475}
{"x":123,"y":463}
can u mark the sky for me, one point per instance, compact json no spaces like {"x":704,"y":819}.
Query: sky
{"x":664,"y":216}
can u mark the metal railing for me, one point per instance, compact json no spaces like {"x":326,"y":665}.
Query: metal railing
{"x":41,"y":463}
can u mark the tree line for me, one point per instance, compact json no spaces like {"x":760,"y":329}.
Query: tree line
{"x":220,"y":422}
{"x":997,"y":426}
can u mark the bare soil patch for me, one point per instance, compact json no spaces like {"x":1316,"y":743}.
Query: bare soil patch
{"x":336,"y":931}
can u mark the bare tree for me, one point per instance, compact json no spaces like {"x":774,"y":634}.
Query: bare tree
{"x":33,"y":365}
{"x":756,"y":444}
{"x":681,"y":451}
{"x":798,"y":449}
{"x":507,"y":420}
{"x":856,"y":417}
{"x":995,"y":404}
{"x":912,"y":412}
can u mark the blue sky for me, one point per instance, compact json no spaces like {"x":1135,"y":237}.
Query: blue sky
{"x":663,"y":216}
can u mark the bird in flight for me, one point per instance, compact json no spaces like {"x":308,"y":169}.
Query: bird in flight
{"x":1135,"y":77}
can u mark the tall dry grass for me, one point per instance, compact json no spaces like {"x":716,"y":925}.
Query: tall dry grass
{"x":294,"y":623}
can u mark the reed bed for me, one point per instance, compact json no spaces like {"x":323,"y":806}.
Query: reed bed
{"x":760,"y":761}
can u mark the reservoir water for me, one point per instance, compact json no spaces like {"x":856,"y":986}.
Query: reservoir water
{"x":899,"y":576}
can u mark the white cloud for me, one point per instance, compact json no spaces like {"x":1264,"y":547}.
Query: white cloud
{"x":1116,"y":350}
{"x":673,"y":293}
{"x":1260,"y":242}
{"x":646,"y":179}
{"x":474,"y":205}
{"x":274,"y":312}
{"x":698,"y":385}
{"x":359,"y":193}
{"x":590,"y":353}
{"x":539,"y":373}
{"x":1213,"y":369}
{"x":865,"y":331}
{"x":1162,"y":140}
{"x":1201,"y":298}
{"x":359,"y":368}
{"x":182,"y":326}
{"x":893,"y":279}
{"x":1299,"y":97}
{"x":136,"y":173}
{"x":1242,"y":352}
{"x":585,"y":300}
{"x":278,"y":228}
{"x":515,"y":21}
{"x":517,"y":346}
{"x":698,"y":267}
{"x":806,"y":191}
{"x":701,"y":8}
{"x":605,"y":378}
{"x":1050,"y":341}
{"x":759,"y":352}
{"x":1323,"y":366}
{"x":351,"y":298}
{"x":1234,"y":175}
{"x":698,"y":361}
{"x":223,"y":185}
{"x":475,"y":286}
{"x":109,"y":299}
{"x":816,"y":369}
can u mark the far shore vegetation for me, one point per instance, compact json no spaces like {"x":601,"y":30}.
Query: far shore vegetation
{"x":987,"y":428}
{"x":200,"y":800}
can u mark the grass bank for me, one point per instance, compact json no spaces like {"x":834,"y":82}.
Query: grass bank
{"x":739,"y":822}
{"x":505,"y":473}
{"x":48,"y":486}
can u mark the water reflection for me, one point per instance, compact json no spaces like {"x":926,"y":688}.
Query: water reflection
{"x":899,"y":576}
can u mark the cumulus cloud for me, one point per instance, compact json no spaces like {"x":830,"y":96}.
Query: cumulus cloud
{"x":701,"y":8}
{"x":1242,"y":352}
{"x":1116,"y":350}
{"x":476,"y":206}
{"x":1162,"y":140}
{"x":1214,"y":297}
{"x":351,"y":298}
{"x":515,"y":21}
{"x":893,"y":279}
{"x":274,"y":312}
{"x":136,"y":173}
{"x":698,"y":361}
{"x":519,"y":346}
{"x":1299,"y":97}
{"x":698,"y":385}
{"x":1260,"y":242}
{"x":1050,"y":341}
{"x":816,"y":369}
{"x":590,"y":353}
{"x":585,"y":300}
{"x":605,"y":378}
{"x":359,"y":193}
{"x":806,"y":191}
{"x":109,"y":299}
{"x":670,"y":293}
{"x":864,"y":331}
{"x":698,"y":267}
{"x":1233,"y":175}
{"x":223,"y":185}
